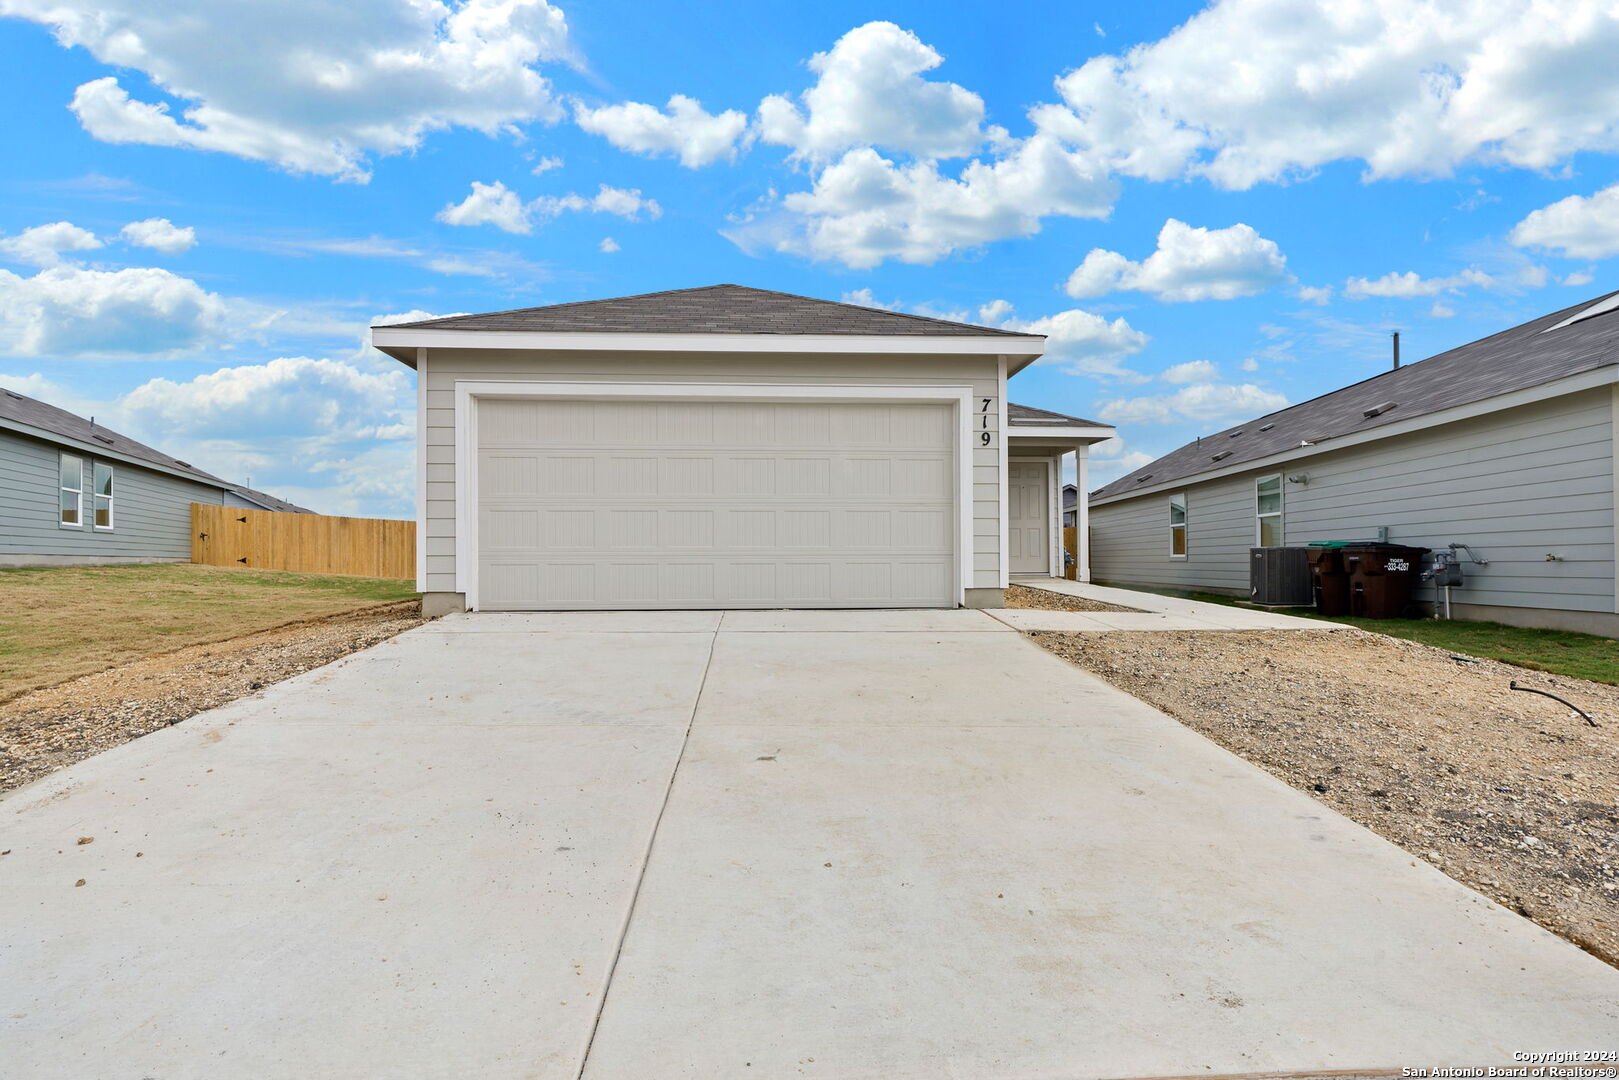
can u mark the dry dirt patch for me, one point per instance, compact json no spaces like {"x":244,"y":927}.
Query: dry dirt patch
{"x":1505,"y":791}
{"x":49,"y":729}
{"x":1021,"y":596}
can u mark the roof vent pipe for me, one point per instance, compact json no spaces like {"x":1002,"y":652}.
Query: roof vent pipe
{"x":1396,"y":350}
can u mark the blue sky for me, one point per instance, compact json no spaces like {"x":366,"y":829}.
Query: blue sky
{"x":1212,"y":212}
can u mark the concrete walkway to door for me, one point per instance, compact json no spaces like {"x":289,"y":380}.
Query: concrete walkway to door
{"x":749,"y":845}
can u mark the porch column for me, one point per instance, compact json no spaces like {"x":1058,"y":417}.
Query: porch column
{"x":1082,"y":514}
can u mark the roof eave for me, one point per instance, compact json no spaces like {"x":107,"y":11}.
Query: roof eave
{"x":401,"y":342}
{"x":111,"y":454}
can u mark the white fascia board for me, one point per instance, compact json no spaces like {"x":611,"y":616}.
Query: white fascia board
{"x":1055,"y":431}
{"x":107,"y":452}
{"x":1572,"y":384}
{"x":387,"y":338}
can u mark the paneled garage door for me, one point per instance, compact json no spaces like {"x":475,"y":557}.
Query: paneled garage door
{"x":660,"y":504}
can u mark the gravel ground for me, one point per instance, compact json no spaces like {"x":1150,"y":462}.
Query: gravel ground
{"x":1021,"y":596}
{"x":49,"y":729}
{"x":1507,"y":792}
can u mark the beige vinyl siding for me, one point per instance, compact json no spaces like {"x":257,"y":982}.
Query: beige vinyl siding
{"x":1517,"y":485}
{"x":445,"y":367}
{"x":152,"y":516}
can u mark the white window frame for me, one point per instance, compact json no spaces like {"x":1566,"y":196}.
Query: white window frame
{"x":1281,"y":507}
{"x":63,"y":489}
{"x":96,"y":497}
{"x":1184,"y":526}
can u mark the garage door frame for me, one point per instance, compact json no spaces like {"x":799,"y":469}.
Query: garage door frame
{"x":469,"y":392}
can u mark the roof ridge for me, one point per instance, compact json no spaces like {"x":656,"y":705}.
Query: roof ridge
{"x":561,"y":304}
{"x":745,"y":290}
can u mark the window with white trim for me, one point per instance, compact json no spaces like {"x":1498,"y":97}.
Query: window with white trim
{"x":1177,"y":525}
{"x":1268,"y":511}
{"x":70,"y":480}
{"x":101,"y":497}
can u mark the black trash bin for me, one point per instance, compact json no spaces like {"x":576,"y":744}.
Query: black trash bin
{"x":1329,"y":580}
{"x":1382,"y":578}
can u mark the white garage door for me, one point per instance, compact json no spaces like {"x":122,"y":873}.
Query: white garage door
{"x":658,"y":504}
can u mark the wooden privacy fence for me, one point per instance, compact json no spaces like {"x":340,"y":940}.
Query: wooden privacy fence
{"x":311,"y":543}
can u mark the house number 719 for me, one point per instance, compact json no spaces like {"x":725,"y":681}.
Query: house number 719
{"x":985,"y":438}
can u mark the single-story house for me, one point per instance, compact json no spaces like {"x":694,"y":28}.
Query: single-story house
{"x":728,"y":447}
{"x":1070,"y":503}
{"x":1500,"y":452}
{"x":74,"y":492}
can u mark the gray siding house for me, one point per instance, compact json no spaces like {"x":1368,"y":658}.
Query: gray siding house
{"x":73,"y":492}
{"x":728,"y":447}
{"x":1505,"y":445}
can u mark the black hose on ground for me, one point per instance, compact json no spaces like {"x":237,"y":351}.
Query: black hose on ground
{"x":1513,"y":685}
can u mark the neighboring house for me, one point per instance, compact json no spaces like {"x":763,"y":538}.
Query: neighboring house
{"x":248,"y":499}
{"x":1070,"y":499}
{"x":1505,"y":445}
{"x":727,"y":447}
{"x":73,"y":492}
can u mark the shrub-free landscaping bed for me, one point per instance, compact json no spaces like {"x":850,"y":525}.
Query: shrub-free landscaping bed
{"x":58,"y":623}
{"x":1507,"y":792}
{"x":45,"y":730}
{"x":1021,"y":596}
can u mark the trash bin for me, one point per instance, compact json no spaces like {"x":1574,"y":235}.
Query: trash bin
{"x":1329,"y":580}
{"x":1382,"y":578}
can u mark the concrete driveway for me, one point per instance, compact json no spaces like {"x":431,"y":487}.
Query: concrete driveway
{"x":764,"y":844}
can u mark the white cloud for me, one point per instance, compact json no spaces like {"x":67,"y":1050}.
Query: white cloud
{"x":43,"y":245}
{"x":496,"y":204}
{"x":1249,"y":364}
{"x":1190,"y":372}
{"x":1082,"y":343}
{"x":995,"y":312}
{"x":623,"y":202}
{"x":1441,"y":310}
{"x":1110,"y":459}
{"x":1411,"y":284}
{"x":290,"y":424}
{"x":1315,"y":294}
{"x":864,"y":208}
{"x":1204,"y":403}
{"x":870,"y":92}
{"x":67,"y":311}
{"x":1189,"y":264}
{"x":608,"y":245}
{"x":866,"y":298}
{"x":291,"y":395}
{"x":1411,"y":90}
{"x":1578,"y":227}
{"x":161,"y":235}
{"x":682,"y":129}
{"x":307,"y":85}
{"x":1578,"y":277}
{"x":545,"y":165}
{"x":489,"y":204}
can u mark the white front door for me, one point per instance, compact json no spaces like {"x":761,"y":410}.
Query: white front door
{"x":637,"y":503}
{"x":1028,"y":520}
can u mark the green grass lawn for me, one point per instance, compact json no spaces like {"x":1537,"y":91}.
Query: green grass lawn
{"x":1561,"y":652}
{"x":58,"y":623}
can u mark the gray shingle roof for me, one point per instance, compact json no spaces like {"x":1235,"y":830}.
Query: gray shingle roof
{"x":1514,"y":359}
{"x":53,"y":421}
{"x":1028,"y":415}
{"x":713,"y":309}
{"x":270,"y":502}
